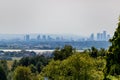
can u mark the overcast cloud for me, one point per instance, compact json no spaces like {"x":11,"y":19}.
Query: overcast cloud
{"x":80,"y":17}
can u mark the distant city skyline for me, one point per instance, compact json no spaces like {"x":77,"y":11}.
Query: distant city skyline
{"x":77,"y":17}
{"x":100,"y":36}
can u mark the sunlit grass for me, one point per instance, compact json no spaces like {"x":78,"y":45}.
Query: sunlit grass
{"x":9,"y":64}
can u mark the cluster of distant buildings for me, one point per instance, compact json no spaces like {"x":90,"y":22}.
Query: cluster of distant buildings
{"x":103,"y":36}
{"x":99,"y":37}
{"x":48,"y":41}
{"x":42,"y":38}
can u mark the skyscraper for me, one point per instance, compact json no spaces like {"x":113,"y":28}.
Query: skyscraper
{"x":108,"y":37}
{"x":44,"y":37}
{"x":101,"y":36}
{"x":49,"y":37}
{"x":98,"y":36}
{"x":92,"y":37}
{"x":38,"y":37}
{"x":104,"y":36}
{"x":27,"y":37}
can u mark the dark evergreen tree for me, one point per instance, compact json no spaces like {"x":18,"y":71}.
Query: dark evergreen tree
{"x":93,"y":52}
{"x":2,"y":74}
{"x":15,"y":64}
{"x":61,"y":54}
{"x":36,"y":63}
{"x":113,"y":56}
{"x":3,"y":64}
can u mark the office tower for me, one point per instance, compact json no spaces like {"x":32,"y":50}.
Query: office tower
{"x":27,"y":37}
{"x":49,"y":37}
{"x":98,"y":36}
{"x":38,"y":37}
{"x":57,"y":38}
{"x":104,"y":36}
{"x":92,"y":37}
{"x":101,"y":36}
{"x":44,"y":37}
{"x":108,"y":37}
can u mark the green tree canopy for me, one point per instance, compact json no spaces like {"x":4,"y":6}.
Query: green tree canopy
{"x":38,"y":62}
{"x":61,"y":54}
{"x":113,"y":56}
{"x":2,"y":74}
{"x":3,"y":64}
{"x":76,"y":67}
{"x":22,"y":73}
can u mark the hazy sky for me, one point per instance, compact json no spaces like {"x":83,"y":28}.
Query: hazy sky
{"x":80,"y":17}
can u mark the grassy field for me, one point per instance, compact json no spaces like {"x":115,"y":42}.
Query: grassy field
{"x":16,"y":58}
{"x":9,"y":64}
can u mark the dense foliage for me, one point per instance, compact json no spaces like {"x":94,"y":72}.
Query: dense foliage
{"x":61,"y":54}
{"x":22,"y":73}
{"x":75,"y":67}
{"x":66,"y":64}
{"x":2,"y":74}
{"x":36,"y":63}
{"x":113,"y":56}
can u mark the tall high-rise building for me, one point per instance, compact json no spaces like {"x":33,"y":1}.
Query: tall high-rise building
{"x":38,"y":37}
{"x":27,"y":37}
{"x":98,"y":36}
{"x":57,"y":38}
{"x":104,"y":36}
{"x":101,"y":36}
{"x":44,"y":37}
{"x":92,"y":37}
{"x":108,"y":37}
{"x":49,"y":37}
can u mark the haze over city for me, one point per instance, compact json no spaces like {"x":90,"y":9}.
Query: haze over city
{"x":79,"y":17}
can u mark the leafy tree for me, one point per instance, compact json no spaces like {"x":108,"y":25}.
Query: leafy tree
{"x":36,"y":63}
{"x":39,"y":66}
{"x":2,"y":74}
{"x":33,"y":68}
{"x":93,"y":52}
{"x":3,"y":64}
{"x":102,"y":52}
{"x":22,"y":73}
{"x":75,"y":67}
{"x":61,"y":54}
{"x":10,"y":75}
{"x":14,"y":65}
{"x":113,"y":56}
{"x":24,"y":61}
